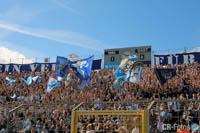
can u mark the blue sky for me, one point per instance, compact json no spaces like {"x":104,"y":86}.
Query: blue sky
{"x":47,"y":28}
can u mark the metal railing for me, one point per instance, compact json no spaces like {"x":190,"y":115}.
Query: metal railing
{"x":27,"y":117}
{"x":163,"y":116}
{"x":171,"y":116}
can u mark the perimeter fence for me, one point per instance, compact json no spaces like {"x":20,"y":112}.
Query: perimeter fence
{"x":144,"y":116}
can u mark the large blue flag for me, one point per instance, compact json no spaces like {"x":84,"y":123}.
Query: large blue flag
{"x":125,"y":68}
{"x":62,"y":65}
{"x":125,"y":71}
{"x":83,"y":69}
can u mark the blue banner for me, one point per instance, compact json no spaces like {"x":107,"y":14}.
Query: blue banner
{"x":127,"y":72}
{"x":164,"y":74}
{"x":184,"y":58}
{"x":96,"y":64}
{"x":37,"y":67}
{"x":83,"y":69}
{"x":62,"y":65}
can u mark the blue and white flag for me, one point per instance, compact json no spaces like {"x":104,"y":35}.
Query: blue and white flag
{"x":36,"y":79}
{"x":11,"y":81}
{"x":125,"y":68}
{"x":62,"y":65}
{"x":125,"y":72}
{"x":83,"y":69}
{"x":28,"y":80}
{"x":134,"y":75}
{"x":51,"y":84}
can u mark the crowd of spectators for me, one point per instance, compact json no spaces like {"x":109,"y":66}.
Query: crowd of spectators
{"x":184,"y":86}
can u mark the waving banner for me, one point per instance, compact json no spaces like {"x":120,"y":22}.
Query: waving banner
{"x":83,"y":69}
{"x":165,"y":74}
{"x":127,"y":71}
{"x":62,"y":65}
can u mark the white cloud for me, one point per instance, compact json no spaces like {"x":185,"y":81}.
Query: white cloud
{"x":11,"y":56}
{"x":69,"y":38}
{"x":196,"y":49}
{"x":18,"y":14}
{"x":25,"y":50}
{"x":65,"y":6}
